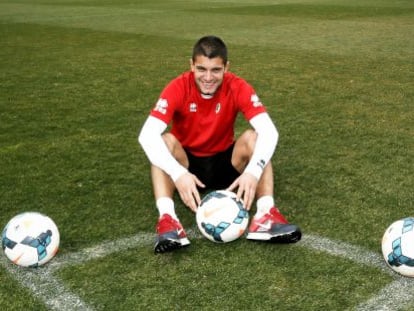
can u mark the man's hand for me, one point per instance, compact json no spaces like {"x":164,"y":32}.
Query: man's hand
{"x":246,"y":184}
{"x":186,"y":186}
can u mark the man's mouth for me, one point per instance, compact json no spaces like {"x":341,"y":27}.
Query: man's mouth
{"x":208,"y":85}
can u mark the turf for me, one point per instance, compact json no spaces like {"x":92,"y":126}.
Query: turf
{"x":284,"y":278}
{"x":78,"y":79}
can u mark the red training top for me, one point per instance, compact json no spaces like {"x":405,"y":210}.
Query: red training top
{"x":206,"y":126}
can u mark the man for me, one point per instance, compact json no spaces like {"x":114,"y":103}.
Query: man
{"x":200,"y":151}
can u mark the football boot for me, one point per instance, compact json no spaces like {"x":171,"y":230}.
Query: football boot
{"x":170,"y":235}
{"x":273,"y":227}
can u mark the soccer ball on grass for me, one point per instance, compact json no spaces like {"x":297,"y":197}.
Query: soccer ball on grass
{"x":398,"y":246}
{"x":30,"y":239}
{"x":221,"y":217}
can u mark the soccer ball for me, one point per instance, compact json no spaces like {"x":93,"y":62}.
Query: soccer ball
{"x":398,"y":246}
{"x":30,"y":239}
{"x":221,"y":217}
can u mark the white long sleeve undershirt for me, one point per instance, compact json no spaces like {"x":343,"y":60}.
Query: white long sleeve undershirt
{"x":267,"y":138}
{"x":156,"y":150}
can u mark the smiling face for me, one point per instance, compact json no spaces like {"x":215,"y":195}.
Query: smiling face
{"x":208,"y":73}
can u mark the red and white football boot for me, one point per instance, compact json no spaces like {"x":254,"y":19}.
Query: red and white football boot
{"x":273,"y":227}
{"x":170,"y":235}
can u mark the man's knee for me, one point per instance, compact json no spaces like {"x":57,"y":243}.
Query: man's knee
{"x":243,"y":149}
{"x":248,"y":140}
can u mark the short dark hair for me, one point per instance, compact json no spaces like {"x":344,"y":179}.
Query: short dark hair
{"x":211,"y":47}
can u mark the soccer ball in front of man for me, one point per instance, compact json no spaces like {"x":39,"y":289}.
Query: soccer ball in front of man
{"x":221,"y":217}
{"x":398,"y":246}
{"x":30,"y":239}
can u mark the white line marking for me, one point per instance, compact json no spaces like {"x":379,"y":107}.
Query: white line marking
{"x":348,"y":251}
{"x":49,"y":289}
{"x":45,"y":287}
{"x":395,"y":296}
{"x":102,"y":250}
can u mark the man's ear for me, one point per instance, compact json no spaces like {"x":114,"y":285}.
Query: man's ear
{"x":192,"y":65}
{"x":227,"y":66}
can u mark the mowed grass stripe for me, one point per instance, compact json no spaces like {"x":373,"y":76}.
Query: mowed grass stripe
{"x":46,"y":287}
{"x":352,"y":35}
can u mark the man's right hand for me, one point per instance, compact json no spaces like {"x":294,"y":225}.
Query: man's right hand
{"x":186,"y":186}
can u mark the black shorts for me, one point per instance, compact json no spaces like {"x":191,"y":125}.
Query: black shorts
{"x":215,"y":171}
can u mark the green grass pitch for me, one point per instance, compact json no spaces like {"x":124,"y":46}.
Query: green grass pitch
{"x":77,"y":80}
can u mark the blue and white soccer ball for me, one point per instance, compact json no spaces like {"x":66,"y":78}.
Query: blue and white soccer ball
{"x":30,"y":239}
{"x":221,"y":217}
{"x":398,"y":246}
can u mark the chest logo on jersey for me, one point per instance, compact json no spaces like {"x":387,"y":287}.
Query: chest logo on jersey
{"x":161,"y":106}
{"x":218,"y":107}
{"x":193,"y":107}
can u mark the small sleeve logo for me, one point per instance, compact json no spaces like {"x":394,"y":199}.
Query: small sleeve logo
{"x":161,"y":106}
{"x":256,"y":101}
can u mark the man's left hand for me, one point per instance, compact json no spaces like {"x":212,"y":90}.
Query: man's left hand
{"x":246,"y":185}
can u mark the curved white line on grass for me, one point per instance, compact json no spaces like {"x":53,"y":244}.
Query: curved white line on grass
{"x":48,"y":288}
{"x":395,"y":296}
{"x":45,"y":287}
{"x":348,"y":251}
{"x":102,"y":250}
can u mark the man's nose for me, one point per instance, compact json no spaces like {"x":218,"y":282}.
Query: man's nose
{"x":209,"y":75}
